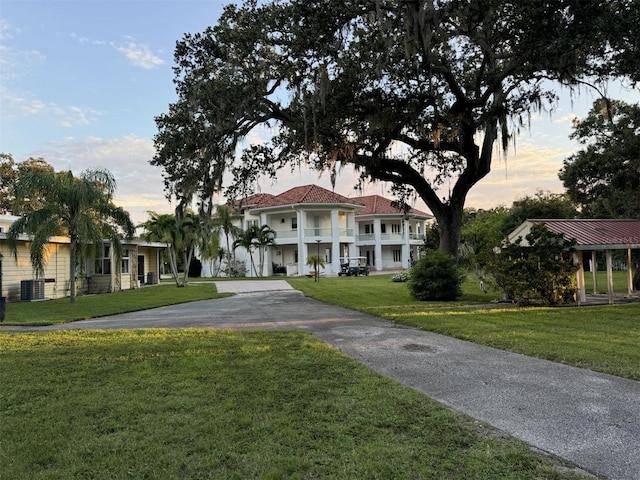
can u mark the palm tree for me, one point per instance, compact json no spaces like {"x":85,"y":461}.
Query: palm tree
{"x":224,"y":220}
{"x":265,"y":237}
{"x":209,"y":248}
{"x":180,"y":237}
{"x":190,"y":231}
{"x":316,"y":261}
{"x":80,"y":208}
{"x":247,"y":240}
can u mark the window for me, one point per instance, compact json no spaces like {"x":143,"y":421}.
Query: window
{"x":252,"y":223}
{"x":124,"y":264}
{"x":103,"y":264}
{"x":397,"y":255}
{"x":294,"y":223}
{"x":368,"y":228}
{"x":396,"y":228}
{"x":383,"y":228}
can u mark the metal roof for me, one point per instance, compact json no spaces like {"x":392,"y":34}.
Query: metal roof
{"x":595,"y":232}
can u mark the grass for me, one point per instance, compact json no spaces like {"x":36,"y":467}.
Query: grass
{"x":91,"y":306}
{"x":181,"y":404}
{"x":604,"y":339}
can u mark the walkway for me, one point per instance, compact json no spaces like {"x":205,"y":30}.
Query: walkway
{"x":590,"y":419}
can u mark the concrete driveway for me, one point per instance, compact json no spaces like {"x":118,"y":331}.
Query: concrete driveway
{"x":590,"y":419}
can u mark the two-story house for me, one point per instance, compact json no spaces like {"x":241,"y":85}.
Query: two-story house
{"x":311,"y":220}
{"x":386,"y":236}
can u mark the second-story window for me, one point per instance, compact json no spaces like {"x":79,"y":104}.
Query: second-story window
{"x":294,"y":223}
{"x":396,"y":228}
{"x":383,"y":228}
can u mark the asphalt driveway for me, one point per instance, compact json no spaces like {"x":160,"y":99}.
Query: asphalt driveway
{"x":589,"y":418}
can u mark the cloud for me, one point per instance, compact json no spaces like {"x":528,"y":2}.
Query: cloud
{"x":140,"y":185}
{"x":15,"y":106}
{"x":566,"y":119}
{"x":139,"y":54}
{"x":7,"y":31}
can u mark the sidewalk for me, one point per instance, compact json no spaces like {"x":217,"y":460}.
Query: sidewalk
{"x":588,"y":418}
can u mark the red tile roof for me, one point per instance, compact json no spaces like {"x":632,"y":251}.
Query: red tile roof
{"x":378,"y":205}
{"x":255,"y":200}
{"x":596,"y":232}
{"x":307,"y":194}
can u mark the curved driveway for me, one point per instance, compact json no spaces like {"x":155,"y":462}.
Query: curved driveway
{"x":589,"y":418}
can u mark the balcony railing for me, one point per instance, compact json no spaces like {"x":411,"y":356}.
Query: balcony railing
{"x":365,"y":237}
{"x":346,"y":232}
{"x":286,"y":234}
{"x":317,"y":232}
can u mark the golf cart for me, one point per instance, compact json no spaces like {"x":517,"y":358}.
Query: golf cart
{"x":353,"y":266}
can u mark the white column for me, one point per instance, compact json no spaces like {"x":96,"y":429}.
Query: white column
{"x":377,"y":248}
{"x":582,"y":295}
{"x":609,"y":276}
{"x":594,"y":272}
{"x":405,"y":246}
{"x":302,"y":247}
{"x":335,"y":242}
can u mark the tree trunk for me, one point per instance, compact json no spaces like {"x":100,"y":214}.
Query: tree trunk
{"x":450,"y":227}
{"x":72,"y":270}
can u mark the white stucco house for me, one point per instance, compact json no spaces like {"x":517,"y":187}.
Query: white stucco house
{"x":311,"y":220}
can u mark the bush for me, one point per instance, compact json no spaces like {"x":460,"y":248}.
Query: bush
{"x":400,"y":277}
{"x":540,"y":267}
{"x":435,"y":277}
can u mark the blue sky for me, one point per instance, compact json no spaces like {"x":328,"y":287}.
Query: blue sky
{"x":81,"y":82}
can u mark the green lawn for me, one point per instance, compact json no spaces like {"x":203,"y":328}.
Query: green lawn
{"x":605,"y":339}
{"x":90,"y":306}
{"x":197,"y":404}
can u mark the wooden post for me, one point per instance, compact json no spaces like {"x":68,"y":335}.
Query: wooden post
{"x":582,"y":295}
{"x":594,"y":273}
{"x":609,"y":276}
{"x":629,"y":273}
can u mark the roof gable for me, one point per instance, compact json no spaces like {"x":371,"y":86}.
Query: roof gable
{"x":378,"y":205}
{"x":306,"y":194}
{"x":594,"y":232}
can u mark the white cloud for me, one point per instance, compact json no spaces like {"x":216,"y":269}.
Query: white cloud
{"x":139,"y":54}
{"x":566,"y":119}
{"x":15,"y":106}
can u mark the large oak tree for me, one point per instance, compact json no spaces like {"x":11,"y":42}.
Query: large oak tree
{"x":604,"y":176}
{"x":413,"y":92}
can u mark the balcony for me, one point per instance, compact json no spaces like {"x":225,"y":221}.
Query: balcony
{"x":281,"y":234}
{"x":317,"y":232}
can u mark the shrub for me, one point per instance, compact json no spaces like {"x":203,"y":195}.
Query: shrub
{"x":435,"y":277}
{"x":400,"y":277}
{"x":541,"y":267}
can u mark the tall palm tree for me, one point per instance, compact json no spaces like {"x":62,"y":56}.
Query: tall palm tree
{"x":224,"y":220}
{"x":247,"y":240}
{"x":79,"y":207}
{"x":180,"y":235}
{"x":161,"y":227}
{"x":265,"y":237}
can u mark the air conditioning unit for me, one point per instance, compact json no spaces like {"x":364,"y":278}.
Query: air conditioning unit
{"x":31,"y":290}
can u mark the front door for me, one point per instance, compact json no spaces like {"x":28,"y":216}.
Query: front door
{"x":141,"y":268}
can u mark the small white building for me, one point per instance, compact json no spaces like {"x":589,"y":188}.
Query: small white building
{"x":140,"y":265}
{"x":311,"y":220}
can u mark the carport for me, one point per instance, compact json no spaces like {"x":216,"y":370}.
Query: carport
{"x":593,"y":235}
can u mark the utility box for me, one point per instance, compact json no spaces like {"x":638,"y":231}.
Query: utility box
{"x":151,"y":278}
{"x":31,"y":290}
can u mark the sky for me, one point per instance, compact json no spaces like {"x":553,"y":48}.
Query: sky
{"x":82,"y":80}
